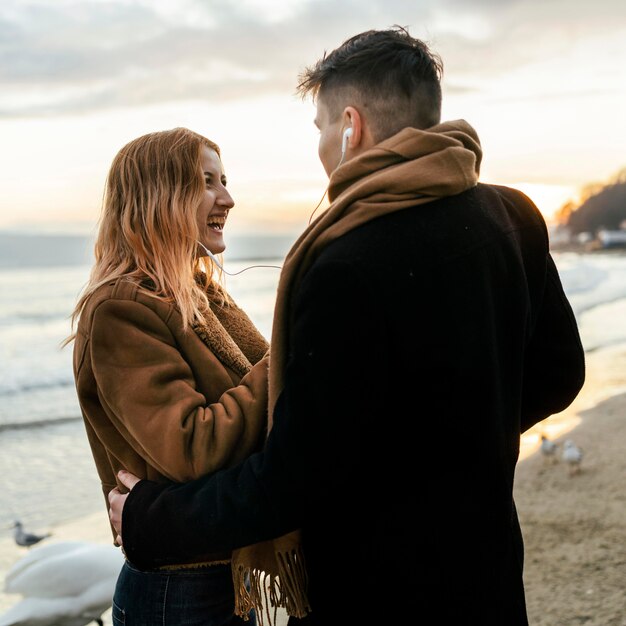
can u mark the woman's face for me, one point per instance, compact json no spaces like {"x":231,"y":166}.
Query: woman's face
{"x":215,"y":205}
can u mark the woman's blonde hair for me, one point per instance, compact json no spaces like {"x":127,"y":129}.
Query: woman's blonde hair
{"x":148,"y":230}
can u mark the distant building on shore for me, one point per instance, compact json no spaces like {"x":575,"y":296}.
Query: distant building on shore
{"x":561,"y":238}
{"x":612,"y":238}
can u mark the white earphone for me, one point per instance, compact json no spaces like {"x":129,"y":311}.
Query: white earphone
{"x":344,"y":142}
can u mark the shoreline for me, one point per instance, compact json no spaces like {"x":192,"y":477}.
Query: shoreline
{"x":573,"y":526}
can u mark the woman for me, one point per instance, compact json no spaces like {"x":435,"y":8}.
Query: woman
{"x":171,"y":375}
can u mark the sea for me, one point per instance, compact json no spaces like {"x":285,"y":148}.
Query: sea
{"x":47,"y":475}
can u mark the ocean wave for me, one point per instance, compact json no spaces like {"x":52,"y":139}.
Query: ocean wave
{"x":14,"y":387}
{"x":38,"y":423}
{"x":33,"y":317}
{"x":610,"y":291}
{"x":582,"y":278}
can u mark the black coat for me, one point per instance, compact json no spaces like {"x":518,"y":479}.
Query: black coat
{"x":424,"y":343}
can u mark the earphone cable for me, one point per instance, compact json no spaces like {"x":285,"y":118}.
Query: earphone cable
{"x":318,"y":204}
{"x":214,"y":259}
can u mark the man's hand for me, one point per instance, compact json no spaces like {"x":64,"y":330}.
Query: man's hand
{"x":117,"y":499}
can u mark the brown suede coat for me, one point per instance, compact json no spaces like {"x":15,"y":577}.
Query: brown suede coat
{"x":163,"y":403}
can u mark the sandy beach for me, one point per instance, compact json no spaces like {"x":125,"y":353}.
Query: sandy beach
{"x":574,"y":526}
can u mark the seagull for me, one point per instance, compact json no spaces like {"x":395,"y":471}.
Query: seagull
{"x":573,"y":456}
{"x":548,"y":448}
{"x":68,"y":583}
{"x":23,"y":538}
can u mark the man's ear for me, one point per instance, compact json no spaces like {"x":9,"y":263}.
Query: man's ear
{"x":360,"y":139}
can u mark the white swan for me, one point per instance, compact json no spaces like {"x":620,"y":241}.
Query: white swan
{"x":69,"y":583}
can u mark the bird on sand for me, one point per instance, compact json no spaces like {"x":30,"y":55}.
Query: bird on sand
{"x":573,"y":456}
{"x":23,"y":538}
{"x":548,"y":449}
{"x":68,"y":583}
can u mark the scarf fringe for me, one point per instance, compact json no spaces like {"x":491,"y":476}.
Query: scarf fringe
{"x":256,"y":589}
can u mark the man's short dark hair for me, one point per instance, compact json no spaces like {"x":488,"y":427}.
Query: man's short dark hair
{"x":393,"y":76}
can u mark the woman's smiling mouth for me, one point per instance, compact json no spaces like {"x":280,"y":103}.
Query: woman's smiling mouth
{"x":216,"y":223}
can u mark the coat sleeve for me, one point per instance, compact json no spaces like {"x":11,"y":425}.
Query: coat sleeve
{"x":148,"y":388}
{"x":554,"y":364}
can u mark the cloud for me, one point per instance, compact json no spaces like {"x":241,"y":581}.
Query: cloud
{"x":71,"y":56}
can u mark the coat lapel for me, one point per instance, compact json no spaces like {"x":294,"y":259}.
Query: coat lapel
{"x":215,"y":336}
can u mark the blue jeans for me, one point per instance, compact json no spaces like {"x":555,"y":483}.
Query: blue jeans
{"x":202,"y":596}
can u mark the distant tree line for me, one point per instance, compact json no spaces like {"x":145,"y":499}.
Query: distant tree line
{"x":602,"y":206}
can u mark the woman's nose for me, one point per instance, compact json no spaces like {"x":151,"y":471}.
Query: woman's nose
{"x":225,"y":199}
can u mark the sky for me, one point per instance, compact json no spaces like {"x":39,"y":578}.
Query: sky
{"x":542,"y":81}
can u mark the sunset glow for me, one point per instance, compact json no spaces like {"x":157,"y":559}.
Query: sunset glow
{"x":542,"y":83}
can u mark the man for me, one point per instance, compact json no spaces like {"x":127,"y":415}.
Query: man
{"x":420,"y":328}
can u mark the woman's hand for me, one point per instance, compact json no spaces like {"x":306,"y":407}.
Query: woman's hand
{"x":117,"y":499}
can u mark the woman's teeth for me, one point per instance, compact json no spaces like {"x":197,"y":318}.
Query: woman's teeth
{"x":217,"y":224}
